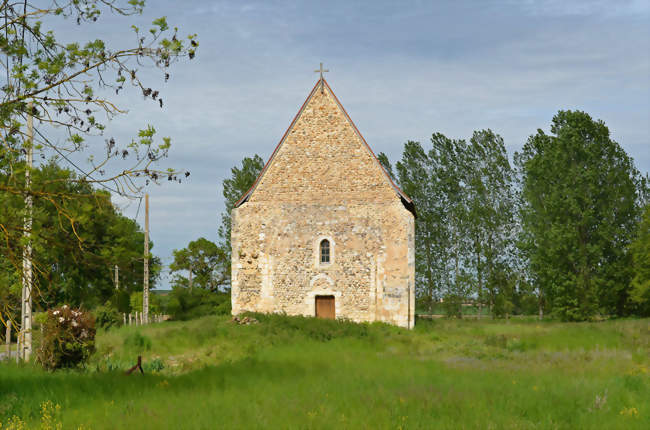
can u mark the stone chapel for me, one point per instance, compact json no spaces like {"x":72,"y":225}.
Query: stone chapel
{"x":324,"y":231}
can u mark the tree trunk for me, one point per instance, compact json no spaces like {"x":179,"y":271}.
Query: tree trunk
{"x":480,"y":282}
{"x":429,"y":276}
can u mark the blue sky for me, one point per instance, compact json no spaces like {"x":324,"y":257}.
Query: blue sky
{"x":403,"y":70}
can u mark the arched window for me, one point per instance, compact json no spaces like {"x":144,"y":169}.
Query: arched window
{"x":324,"y":251}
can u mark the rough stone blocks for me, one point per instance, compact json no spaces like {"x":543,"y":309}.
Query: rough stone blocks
{"x":323,"y":182}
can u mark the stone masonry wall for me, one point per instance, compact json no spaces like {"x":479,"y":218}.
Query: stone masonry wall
{"x":323,"y":182}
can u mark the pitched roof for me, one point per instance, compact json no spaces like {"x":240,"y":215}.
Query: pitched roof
{"x":406,"y":200}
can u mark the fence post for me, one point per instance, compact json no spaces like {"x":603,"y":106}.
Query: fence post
{"x":8,"y":339}
{"x":19,"y":345}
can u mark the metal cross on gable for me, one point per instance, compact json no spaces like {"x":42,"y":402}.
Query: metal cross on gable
{"x":321,"y":71}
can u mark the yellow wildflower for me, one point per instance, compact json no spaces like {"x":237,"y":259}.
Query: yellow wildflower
{"x":631,"y":412}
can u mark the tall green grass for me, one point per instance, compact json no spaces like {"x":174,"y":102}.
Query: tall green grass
{"x":292,"y":372}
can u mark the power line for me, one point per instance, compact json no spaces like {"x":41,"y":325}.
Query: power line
{"x":138,"y":211}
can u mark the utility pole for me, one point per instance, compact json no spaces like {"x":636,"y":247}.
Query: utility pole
{"x":26,"y":307}
{"x":117,"y":277}
{"x":145,"y":292}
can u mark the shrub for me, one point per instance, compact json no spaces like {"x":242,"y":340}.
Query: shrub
{"x":453,"y":305}
{"x":136,"y":302}
{"x":155,"y":365}
{"x":122,"y":301}
{"x":68,"y":338}
{"x":503,"y":306}
{"x":107,"y":317}
{"x":137,"y":342}
{"x":322,"y":330}
{"x":225,"y":308}
{"x":38,"y":319}
{"x":186,"y":304}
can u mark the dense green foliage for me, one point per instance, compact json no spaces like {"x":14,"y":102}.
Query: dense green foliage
{"x":107,"y":317}
{"x":207,"y":262}
{"x":640,"y":249}
{"x":292,"y":372}
{"x":241,"y":180}
{"x":77,"y":246}
{"x":556,"y":234}
{"x":466,"y":216}
{"x":135,"y":300}
{"x":580,"y":208}
{"x":186,"y":303}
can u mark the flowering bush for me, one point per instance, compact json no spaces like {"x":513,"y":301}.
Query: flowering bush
{"x":68,"y":338}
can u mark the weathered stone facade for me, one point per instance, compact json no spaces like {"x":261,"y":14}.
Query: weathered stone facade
{"x":324,"y":182}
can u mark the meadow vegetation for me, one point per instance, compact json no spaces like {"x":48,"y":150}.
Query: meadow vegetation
{"x":295,"y":372}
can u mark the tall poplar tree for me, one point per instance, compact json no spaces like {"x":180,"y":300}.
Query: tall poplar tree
{"x":580,"y":195}
{"x":433,"y":180}
{"x":490,"y":219}
{"x":242,"y":178}
{"x":415,"y":179}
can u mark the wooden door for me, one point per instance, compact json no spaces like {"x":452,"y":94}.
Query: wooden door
{"x":325,"y":307}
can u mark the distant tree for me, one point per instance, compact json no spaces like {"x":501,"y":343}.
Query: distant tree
{"x":76,"y":248}
{"x":385,"y":163}
{"x":466,"y":226}
{"x":135,"y":301}
{"x":186,"y":304}
{"x":580,"y":195}
{"x":240,"y":181}
{"x":449,"y":168}
{"x":207,"y":262}
{"x":640,"y":250}
{"x":415,"y":180}
{"x":433,"y":181}
{"x":490,"y":216}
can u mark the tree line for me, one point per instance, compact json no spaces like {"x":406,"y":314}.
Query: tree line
{"x":78,"y":238}
{"x":561,"y":230}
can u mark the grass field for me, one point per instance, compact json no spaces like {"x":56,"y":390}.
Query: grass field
{"x":305,"y":373}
